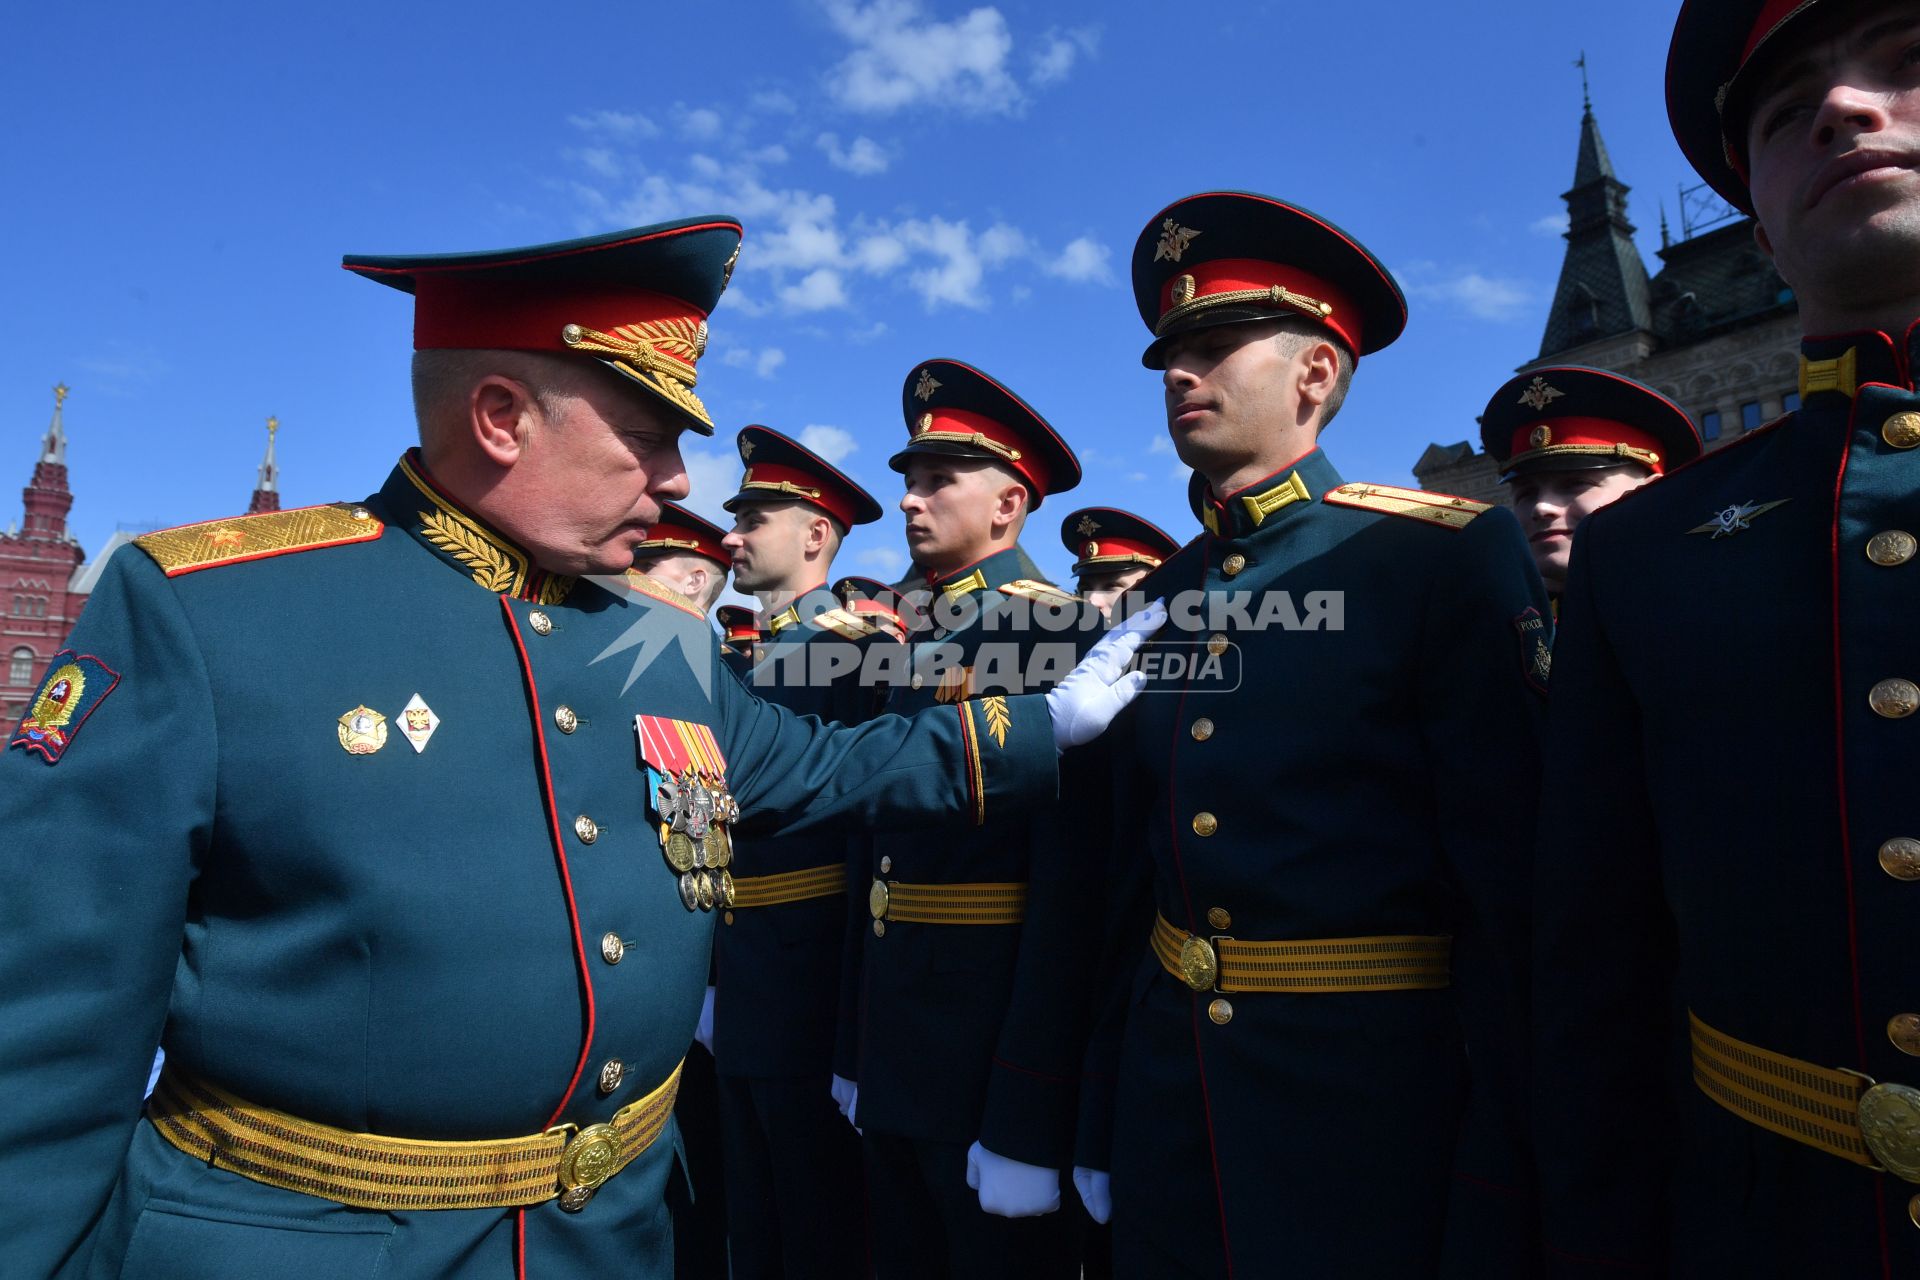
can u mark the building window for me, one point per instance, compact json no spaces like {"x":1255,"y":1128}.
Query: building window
{"x":1749,"y":416}
{"x":20,"y":668}
{"x":1710,"y":425}
{"x":1790,"y":402}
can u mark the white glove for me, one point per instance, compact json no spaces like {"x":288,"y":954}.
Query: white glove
{"x":846,"y":1096}
{"x":704,"y":1031}
{"x":1085,"y":703}
{"x":1095,"y":1193}
{"x":1010,"y":1189}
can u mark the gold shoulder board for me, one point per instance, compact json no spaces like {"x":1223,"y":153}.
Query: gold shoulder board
{"x":654,"y":589}
{"x":271,"y":533}
{"x":1044,"y":592}
{"x":1442,"y":509}
{"x":850,"y":626}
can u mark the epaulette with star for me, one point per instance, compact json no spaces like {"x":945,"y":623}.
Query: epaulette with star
{"x":653,"y":588}
{"x":271,"y":533}
{"x":847,"y":625}
{"x":1043,"y":592}
{"x":1442,"y":509}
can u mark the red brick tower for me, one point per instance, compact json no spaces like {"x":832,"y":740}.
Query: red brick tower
{"x":38,"y":563}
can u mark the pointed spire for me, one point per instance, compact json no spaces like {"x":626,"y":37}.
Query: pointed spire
{"x":1666,"y":237}
{"x":1603,"y":289}
{"x":266,"y":494}
{"x":54,"y":448}
{"x":1594,"y":165}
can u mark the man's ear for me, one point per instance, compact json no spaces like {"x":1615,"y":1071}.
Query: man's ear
{"x":699,"y":578}
{"x":1318,"y":373}
{"x":499,"y":414}
{"x":1010,"y":509}
{"x":819,"y":530}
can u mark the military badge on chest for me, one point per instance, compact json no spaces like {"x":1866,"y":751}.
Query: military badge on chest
{"x":687,"y":777}
{"x":1536,"y":648}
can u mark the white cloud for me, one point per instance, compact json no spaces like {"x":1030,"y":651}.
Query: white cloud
{"x":886,"y":561}
{"x":1554,"y":224}
{"x":902,"y":57}
{"x":831,"y":443}
{"x":702,"y":124}
{"x":714,"y":478}
{"x":626,"y":126}
{"x":773,"y":102}
{"x":1083,"y":261}
{"x":601,"y":160}
{"x":1053,"y":61}
{"x":1160,"y":444}
{"x":1493,"y":298}
{"x":862,"y":157}
{"x":768,"y":360}
{"x":818,"y":290}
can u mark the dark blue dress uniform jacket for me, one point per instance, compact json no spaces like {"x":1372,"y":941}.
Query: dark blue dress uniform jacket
{"x":972,"y":1032}
{"x":398,"y":943}
{"x":777,"y":968}
{"x":1711,"y":834}
{"x":1368,"y":773}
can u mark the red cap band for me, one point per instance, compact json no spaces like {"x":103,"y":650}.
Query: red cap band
{"x":802,"y":486}
{"x":960,"y":426}
{"x":477,"y":313}
{"x":1590,"y":433}
{"x":1251,"y":275}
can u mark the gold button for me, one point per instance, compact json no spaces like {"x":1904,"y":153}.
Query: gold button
{"x":1205,"y":824}
{"x":886,"y":865}
{"x":1202,"y":729}
{"x":1904,"y":1030}
{"x":1913,"y":1211}
{"x":361,"y":513}
{"x":1233,"y":564}
{"x":1891,"y":547}
{"x":1221,"y":1012}
{"x":612,"y":948}
{"x":611,"y":1074}
{"x":916,"y":682}
{"x":728,"y":917}
{"x":1895,"y":699}
{"x":1219,"y":918}
{"x":1902,"y":430}
{"x":540,"y":622}
{"x":879,"y":928}
{"x":1900,"y":858}
{"x":586,"y":828}
{"x":1216,"y":644}
{"x":564,"y":717}
{"x":574,"y":1199}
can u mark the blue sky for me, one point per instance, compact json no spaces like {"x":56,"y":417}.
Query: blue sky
{"x":918,"y":178}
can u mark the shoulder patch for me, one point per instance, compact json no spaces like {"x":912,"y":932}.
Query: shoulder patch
{"x":846,"y":624}
{"x":654,"y":589}
{"x":193,"y":547}
{"x":1442,"y":509}
{"x":1044,"y":592}
{"x":75,"y":684}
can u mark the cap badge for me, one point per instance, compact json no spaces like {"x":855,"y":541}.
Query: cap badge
{"x":923,"y":423}
{"x":1087,"y":527}
{"x":1542,"y":437}
{"x":1183,"y":287}
{"x":726,"y":272}
{"x":1093,"y":549}
{"x":1539,"y":394}
{"x":1174,"y":240}
{"x":746,"y":450}
{"x":927,"y":385}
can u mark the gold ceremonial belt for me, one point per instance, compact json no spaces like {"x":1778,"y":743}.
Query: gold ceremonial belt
{"x":1303,"y":965}
{"x":946,"y":903}
{"x":1840,"y":1112}
{"x":367,"y":1171}
{"x":790,"y":886}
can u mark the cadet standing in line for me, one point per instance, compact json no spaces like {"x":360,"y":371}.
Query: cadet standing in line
{"x":1324,"y":822}
{"x":974,"y":981}
{"x":1115,"y":550}
{"x":1570,"y":441}
{"x":794,"y":1196}
{"x":682,"y":551}
{"x":1730,"y":851}
{"x":354,"y":800}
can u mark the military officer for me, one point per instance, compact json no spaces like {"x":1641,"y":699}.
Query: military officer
{"x":404,"y":824}
{"x":969,"y":1021}
{"x":1321,"y":862}
{"x":740,"y":635}
{"x":1571,"y":440}
{"x":684,"y":551}
{"x":1115,"y":549}
{"x":1725,"y":993}
{"x":795,"y":1202}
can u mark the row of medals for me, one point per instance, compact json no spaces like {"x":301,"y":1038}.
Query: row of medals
{"x":693,"y":837}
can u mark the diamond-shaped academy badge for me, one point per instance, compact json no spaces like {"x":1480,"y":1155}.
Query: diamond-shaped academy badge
{"x":417,"y":722}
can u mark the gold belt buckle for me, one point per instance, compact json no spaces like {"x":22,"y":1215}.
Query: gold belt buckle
{"x":878,"y":898}
{"x":587,"y":1162}
{"x":1890,"y":1126}
{"x":1199,"y":962}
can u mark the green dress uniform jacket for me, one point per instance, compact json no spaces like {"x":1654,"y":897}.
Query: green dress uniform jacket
{"x":1730,"y":851}
{"x":476,"y":940}
{"x":1359,"y":765}
{"x":976,"y":1031}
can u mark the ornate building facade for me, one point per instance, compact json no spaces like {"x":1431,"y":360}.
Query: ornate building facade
{"x":1715,"y":329}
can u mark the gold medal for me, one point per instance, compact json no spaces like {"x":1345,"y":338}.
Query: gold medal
{"x":363,"y":731}
{"x":723,"y":889}
{"x":680,"y":852}
{"x":717,"y":853}
{"x":703,"y":885}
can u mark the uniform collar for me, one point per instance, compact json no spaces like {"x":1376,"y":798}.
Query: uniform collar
{"x":412,"y":500}
{"x":1267,"y":503}
{"x":986,"y":574}
{"x":1840,"y":364}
